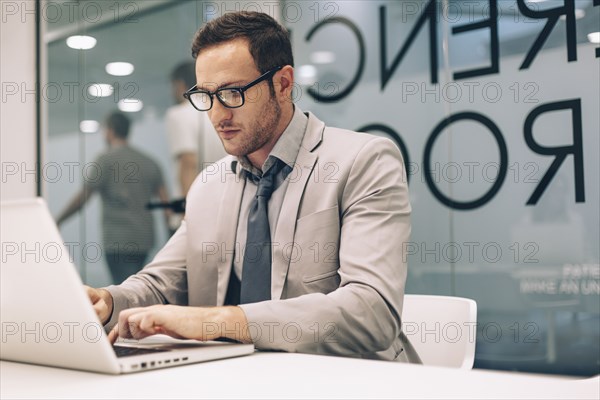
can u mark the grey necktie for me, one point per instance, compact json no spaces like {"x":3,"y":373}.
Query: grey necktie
{"x":256,"y":270}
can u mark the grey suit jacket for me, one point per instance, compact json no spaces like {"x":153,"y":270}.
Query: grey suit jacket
{"x":339,"y":265}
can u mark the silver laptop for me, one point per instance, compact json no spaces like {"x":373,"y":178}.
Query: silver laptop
{"x":47,"y":317}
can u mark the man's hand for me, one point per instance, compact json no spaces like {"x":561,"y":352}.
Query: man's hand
{"x":102,"y":301}
{"x":184,"y":322}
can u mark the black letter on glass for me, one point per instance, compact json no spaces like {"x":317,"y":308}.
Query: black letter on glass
{"x":553,"y":14}
{"x":429,"y":13}
{"x":492,"y":24}
{"x":467,"y":205}
{"x":596,"y":4}
{"x":361,"y":63}
{"x":560,"y":152}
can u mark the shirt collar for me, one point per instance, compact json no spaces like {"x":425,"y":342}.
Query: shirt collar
{"x":286,"y":149}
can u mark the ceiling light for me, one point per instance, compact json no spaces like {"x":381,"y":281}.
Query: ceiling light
{"x":579,"y":13}
{"x":81,"y":42}
{"x":307,"y":74}
{"x":594,"y":37}
{"x":100,"y":90}
{"x":130,"y":105}
{"x":89,"y":126}
{"x":322,"y":57}
{"x":119,"y":68}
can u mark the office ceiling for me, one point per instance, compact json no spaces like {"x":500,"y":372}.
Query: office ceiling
{"x":155,"y":35}
{"x":153,"y":39}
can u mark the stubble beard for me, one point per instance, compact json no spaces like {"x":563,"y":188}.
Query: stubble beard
{"x":262,"y":129}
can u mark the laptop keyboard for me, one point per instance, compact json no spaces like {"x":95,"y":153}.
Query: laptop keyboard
{"x":122,"y":351}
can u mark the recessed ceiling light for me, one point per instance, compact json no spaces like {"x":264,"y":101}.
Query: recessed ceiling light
{"x":79,"y":42}
{"x":594,"y":37}
{"x":579,"y":13}
{"x":322,"y":57}
{"x":100,"y":90}
{"x":307,"y":74}
{"x":130,"y":105}
{"x":119,"y":68}
{"x":89,"y":126}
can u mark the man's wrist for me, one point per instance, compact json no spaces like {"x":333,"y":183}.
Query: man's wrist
{"x":235,"y":325}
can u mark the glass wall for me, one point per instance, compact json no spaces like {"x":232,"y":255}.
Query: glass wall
{"x":152,"y":37}
{"x":493,"y":103}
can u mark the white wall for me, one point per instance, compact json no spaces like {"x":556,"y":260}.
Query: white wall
{"x":17,"y":101}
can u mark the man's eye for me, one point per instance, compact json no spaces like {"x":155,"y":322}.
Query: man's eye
{"x":230,"y":96}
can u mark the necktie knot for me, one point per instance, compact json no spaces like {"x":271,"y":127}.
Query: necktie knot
{"x":266,"y":184}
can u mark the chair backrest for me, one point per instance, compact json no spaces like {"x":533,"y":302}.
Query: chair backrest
{"x":442,"y":329}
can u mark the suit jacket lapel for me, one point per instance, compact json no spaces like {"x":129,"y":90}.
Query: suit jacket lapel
{"x":227,"y":223}
{"x":286,"y":224}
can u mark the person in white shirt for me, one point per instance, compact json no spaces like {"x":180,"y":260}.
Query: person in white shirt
{"x":192,"y":139}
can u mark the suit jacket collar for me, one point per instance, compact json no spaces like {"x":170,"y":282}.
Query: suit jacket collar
{"x":314,"y":132}
{"x":226,"y":228}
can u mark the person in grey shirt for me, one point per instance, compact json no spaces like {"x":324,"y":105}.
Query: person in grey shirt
{"x":126,"y":180}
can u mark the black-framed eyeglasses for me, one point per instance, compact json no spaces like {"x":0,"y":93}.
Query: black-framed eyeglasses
{"x":230,"y":97}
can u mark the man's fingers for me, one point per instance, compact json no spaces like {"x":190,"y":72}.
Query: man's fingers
{"x":113,"y":335}
{"x":123,"y":326}
{"x":92,"y":294}
{"x":136,"y":323}
{"x":98,"y":307}
{"x":147,"y":323}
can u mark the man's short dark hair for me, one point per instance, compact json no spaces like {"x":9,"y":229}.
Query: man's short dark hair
{"x":186,"y":73}
{"x":269,"y":41}
{"x":119,"y":123}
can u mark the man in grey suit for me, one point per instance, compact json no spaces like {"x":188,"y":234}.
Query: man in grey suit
{"x":295,"y":240}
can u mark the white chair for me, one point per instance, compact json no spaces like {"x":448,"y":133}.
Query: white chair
{"x":442,"y":329}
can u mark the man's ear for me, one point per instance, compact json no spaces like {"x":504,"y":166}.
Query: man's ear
{"x":286,"y":82}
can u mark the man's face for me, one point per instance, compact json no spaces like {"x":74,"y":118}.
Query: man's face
{"x":252,"y":127}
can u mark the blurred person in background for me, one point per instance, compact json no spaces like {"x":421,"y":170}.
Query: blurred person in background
{"x":126,"y":180}
{"x":193,"y":142}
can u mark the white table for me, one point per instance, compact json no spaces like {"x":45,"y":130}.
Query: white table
{"x":280,"y":375}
